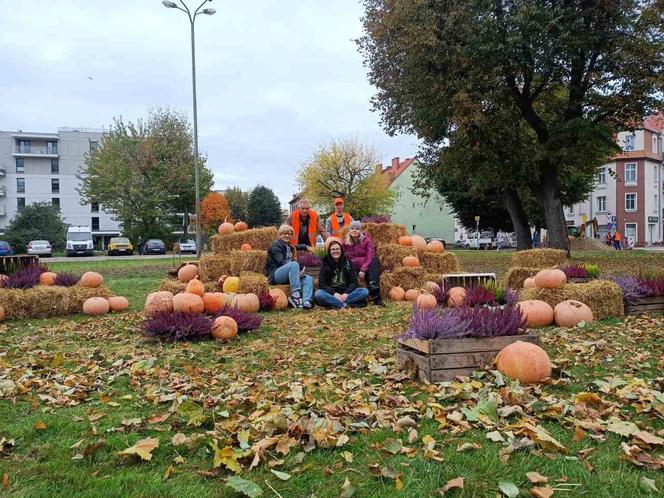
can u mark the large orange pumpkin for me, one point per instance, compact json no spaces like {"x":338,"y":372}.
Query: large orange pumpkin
{"x":570,"y":313}
{"x":226,"y":228}
{"x":224,"y":328}
{"x":158,"y":302}
{"x":525,"y":362}
{"x":418,"y":241}
{"x":118,"y":303}
{"x":457,"y":297}
{"x":186,"y":302}
{"x":411,"y":261}
{"x":248,"y":302}
{"x":396,"y":294}
{"x":240,"y":226}
{"x":529,"y":283}
{"x":213,"y":302}
{"x":95,"y":306}
{"x":435,"y":246}
{"x":431,"y":287}
{"x":537,"y":313}
{"x":245,"y":247}
{"x":187,"y":273}
{"x":550,"y":279}
{"x":195,"y":286}
{"x":3,"y":279}
{"x":91,"y":279}
{"x":47,"y":278}
{"x":280,"y":299}
{"x":426,"y":302}
{"x":405,"y":240}
{"x":411,"y":294}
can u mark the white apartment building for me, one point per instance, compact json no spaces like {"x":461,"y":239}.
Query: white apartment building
{"x":42,"y":167}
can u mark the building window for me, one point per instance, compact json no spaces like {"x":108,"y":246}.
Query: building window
{"x":601,"y":203}
{"x":20,"y":185}
{"x":55,"y":166}
{"x":630,"y":231}
{"x":56,"y":202}
{"x":24,"y":146}
{"x":51,"y":147}
{"x":20,"y":202}
{"x":630,"y":202}
{"x":654,"y":144}
{"x":629,"y":142}
{"x":55,"y":186}
{"x":95,"y":223}
{"x":630,"y":172}
{"x":20,"y":165}
{"x":94,"y":145}
{"x":570,"y":210}
{"x":94,"y":207}
{"x":601,"y":176}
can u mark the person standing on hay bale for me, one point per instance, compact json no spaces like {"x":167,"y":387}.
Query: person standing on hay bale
{"x":282,"y":268}
{"x":337,"y":281}
{"x":336,"y":222}
{"x":306,"y":226}
{"x":360,"y":251}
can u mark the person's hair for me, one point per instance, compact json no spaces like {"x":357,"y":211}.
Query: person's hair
{"x":341,"y":246}
{"x":349,"y":240}
{"x":285,"y":228}
{"x":304,"y":203}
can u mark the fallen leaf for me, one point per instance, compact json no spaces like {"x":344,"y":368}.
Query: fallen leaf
{"x":392,"y":446}
{"x":39,"y":426}
{"x":579,"y":434}
{"x":508,"y":489}
{"x":169,"y":471}
{"x":143,"y":448}
{"x":495,"y":436}
{"x":456,"y":483}
{"x":461,"y":447}
{"x":247,"y":488}
{"x":348,"y":456}
{"x":644,"y":482}
{"x":194,"y":414}
{"x":5,"y":480}
{"x":536,"y":478}
{"x":179,"y":439}
{"x":542,"y":492}
{"x":157,"y":419}
{"x":347,"y":489}
{"x":94,"y":415}
{"x":621,"y":427}
{"x":281,"y":475}
{"x":648,"y":438}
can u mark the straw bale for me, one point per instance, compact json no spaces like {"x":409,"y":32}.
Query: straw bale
{"x":214,"y":266}
{"x":255,"y":283}
{"x":515,"y":277}
{"x":604,"y":298}
{"x":433,"y":277}
{"x":445,"y":262}
{"x":175,"y":286}
{"x":391,"y":255}
{"x":257,"y":238}
{"x":47,"y":301}
{"x":404,"y":276}
{"x":284,"y":288}
{"x":539,"y":258}
{"x":253,"y":261}
{"x":384,"y":233}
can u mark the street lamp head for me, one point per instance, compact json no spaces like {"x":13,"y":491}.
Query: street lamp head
{"x":209,"y":12}
{"x":169,"y":4}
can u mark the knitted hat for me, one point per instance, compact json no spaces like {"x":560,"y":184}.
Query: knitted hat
{"x":355,"y":224}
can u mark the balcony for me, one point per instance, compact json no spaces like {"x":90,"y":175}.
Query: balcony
{"x":3,"y":171}
{"x":3,"y":211}
{"x":35,"y":151}
{"x":3,"y":191}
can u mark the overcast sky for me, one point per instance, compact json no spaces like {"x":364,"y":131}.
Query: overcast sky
{"x":275,"y":78}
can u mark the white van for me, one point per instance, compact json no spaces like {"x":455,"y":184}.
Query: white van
{"x":79,"y":241}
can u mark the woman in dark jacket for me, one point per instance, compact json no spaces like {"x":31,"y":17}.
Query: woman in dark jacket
{"x":337,"y":281}
{"x":281,"y":268}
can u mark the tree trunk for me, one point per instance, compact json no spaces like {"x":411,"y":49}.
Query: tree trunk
{"x":519,"y":219}
{"x":549,"y":200}
{"x":185,"y":225}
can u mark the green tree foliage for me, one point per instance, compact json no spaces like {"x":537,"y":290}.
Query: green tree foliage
{"x":143,"y":174}
{"x":346,"y":168}
{"x":263,"y":208}
{"x":38,"y":221}
{"x":572,"y":72}
{"x":237,"y":203}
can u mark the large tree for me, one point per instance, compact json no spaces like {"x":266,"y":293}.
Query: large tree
{"x":575,"y":72}
{"x":237,"y":203}
{"x":263,"y":209}
{"x":37,"y":221}
{"x":214,"y":210}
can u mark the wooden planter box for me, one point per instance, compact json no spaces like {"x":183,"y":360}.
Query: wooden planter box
{"x":644,"y":304}
{"x":440,"y":360}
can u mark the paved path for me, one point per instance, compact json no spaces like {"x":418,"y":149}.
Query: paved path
{"x":64,"y":259}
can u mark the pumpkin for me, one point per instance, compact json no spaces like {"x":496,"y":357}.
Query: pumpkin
{"x":3,"y":279}
{"x":550,"y":279}
{"x":396,"y":294}
{"x":195,"y":286}
{"x":431,"y":287}
{"x":405,"y":240}
{"x":91,"y":279}
{"x":2,"y":313}
{"x":411,"y":261}
{"x":187,"y":273}
{"x":570,"y":313}
{"x":158,"y":302}
{"x":529,"y":283}
{"x":280,"y":299}
{"x":457,"y":297}
{"x":537,"y":313}
{"x":47,"y":278}
{"x":118,"y":303}
{"x":240,"y":226}
{"x":411,"y":294}
{"x":226,"y":228}
{"x":247,"y":302}
{"x":186,"y":302}
{"x":224,"y":328}
{"x":231,"y":284}
{"x":418,"y":241}
{"x":95,"y":306}
{"x":245,"y":247}
{"x":212,"y":302}
{"x":525,"y":362}
{"x":435,"y":246}
{"x":229,"y":299}
{"x":426,"y":302}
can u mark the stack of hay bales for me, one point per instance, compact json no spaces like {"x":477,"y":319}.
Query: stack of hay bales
{"x":48,"y":301}
{"x":604,"y":298}
{"x":526,"y":264}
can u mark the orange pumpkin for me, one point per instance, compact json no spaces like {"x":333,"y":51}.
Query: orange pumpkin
{"x":195,"y":286}
{"x":187,"y":273}
{"x":212,"y":302}
{"x":95,"y":306}
{"x":396,"y":294}
{"x":431,"y":287}
{"x":411,"y":261}
{"x":240,"y":226}
{"x":537,"y":313}
{"x":3,"y":279}
{"x":550,"y":279}
{"x":158,"y":302}
{"x":435,"y":246}
{"x":224,"y":328}
{"x":418,"y":241}
{"x":570,"y":313}
{"x":524,"y":361}
{"x":91,"y":279}
{"x":118,"y":303}
{"x":248,"y":302}
{"x":457,"y":297}
{"x":405,"y":240}
{"x":186,"y":302}
{"x":2,"y":313}
{"x":245,"y":247}
{"x":47,"y":278}
{"x":426,"y":302}
{"x":529,"y":283}
{"x":280,"y":299}
{"x":411,"y":294}
{"x":226,"y":228}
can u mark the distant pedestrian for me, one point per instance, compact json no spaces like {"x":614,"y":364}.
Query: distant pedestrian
{"x":617,"y":238}
{"x":501,"y":240}
{"x":536,"y":238}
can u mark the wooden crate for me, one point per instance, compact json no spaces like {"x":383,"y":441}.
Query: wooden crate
{"x":440,"y":360}
{"x":644,"y":304}
{"x":468,"y":279}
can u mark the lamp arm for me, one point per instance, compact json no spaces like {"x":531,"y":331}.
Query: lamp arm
{"x":199,"y":8}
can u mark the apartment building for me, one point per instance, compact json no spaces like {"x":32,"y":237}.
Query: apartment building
{"x":628,"y":192}
{"x":43,"y":167}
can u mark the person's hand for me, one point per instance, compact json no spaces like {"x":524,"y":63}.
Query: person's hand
{"x":344,"y":297}
{"x":339,"y":296}
{"x":361,"y":275}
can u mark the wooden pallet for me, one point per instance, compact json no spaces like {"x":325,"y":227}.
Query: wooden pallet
{"x":9,"y":264}
{"x":441,"y":360}
{"x":468,"y":279}
{"x":644,"y":304}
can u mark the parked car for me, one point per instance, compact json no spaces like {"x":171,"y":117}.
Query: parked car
{"x":187,"y":245}
{"x":120,"y":245}
{"x":484,"y":241}
{"x":40,"y":248}
{"x":79,"y":241}
{"x":153,"y":246}
{"x":5,"y":248}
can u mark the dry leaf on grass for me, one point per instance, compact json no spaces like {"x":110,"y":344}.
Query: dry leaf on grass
{"x":143,"y":448}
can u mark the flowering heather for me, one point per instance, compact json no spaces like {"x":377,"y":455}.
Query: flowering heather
{"x":376,"y":218}
{"x":308,"y":259}
{"x":66,"y":279}
{"x":266,"y":301}
{"x":575,"y":271}
{"x":26,"y":277}
{"x":631,"y":287}
{"x":442,"y":294}
{"x":479,"y":295}
{"x":245,"y":321}
{"x":177,"y":327}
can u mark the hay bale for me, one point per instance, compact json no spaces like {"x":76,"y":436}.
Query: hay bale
{"x":214,"y":266}
{"x":384,"y":233}
{"x":391,"y":255}
{"x":445,"y":262}
{"x":604,"y":298}
{"x":404,"y":277}
{"x":515,"y":277}
{"x":255,"y":283}
{"x":47,"y":301}
{"x":257,"y":238}
{"x":175,"y":286}
{"x":433,"y":277}
{"x":539,"y":258}
{"x":284,"y":288}
{"x":251,"y":261}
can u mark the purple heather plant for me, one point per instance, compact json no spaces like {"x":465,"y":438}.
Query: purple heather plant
{"x":177,"y":327}
{"x":632,"y":287}
{"x":575,"y":271}
{"x":26,"y":277}
{"x":479,"y":295}
{"x":442,"y":294}
{"x":245,"y":321}
{"x":376,"y":218}
{"x":66,"y":279}
{"x":266,"y":301}
{"x":308,"y":259}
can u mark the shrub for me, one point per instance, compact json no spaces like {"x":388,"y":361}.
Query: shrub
{"x":66,"y":279}
{"x":177,"y":327}
{"x":245,"y":321}
{"x":26,"y":277}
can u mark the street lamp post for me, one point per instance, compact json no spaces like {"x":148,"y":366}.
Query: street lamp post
{"x":477,"y":228}
{"x":192,"y":18}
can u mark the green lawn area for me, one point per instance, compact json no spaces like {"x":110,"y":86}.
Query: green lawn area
{"x":316,"y":398}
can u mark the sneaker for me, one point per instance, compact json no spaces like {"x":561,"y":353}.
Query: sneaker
{"x":307,"y":305}
{"x":295,"y":302}
{"x":378,"y":301}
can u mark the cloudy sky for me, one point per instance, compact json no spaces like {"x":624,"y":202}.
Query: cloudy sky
{"x":275,"y":78}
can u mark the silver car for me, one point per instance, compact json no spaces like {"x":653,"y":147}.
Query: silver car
{"x":187,"y":245}
{"x":40,"y":248}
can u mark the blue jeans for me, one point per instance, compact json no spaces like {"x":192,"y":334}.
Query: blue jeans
{"x":328,"y":300}
{"x":290,"y":274}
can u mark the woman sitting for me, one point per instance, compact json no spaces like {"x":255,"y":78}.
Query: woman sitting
{"x":360,"y":250}
{"x":337,"y":281}
{"x":282,"y":268}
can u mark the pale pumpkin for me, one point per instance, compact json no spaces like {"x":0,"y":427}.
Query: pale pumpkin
{"x":396,"y":294}
{"x":524,"y":361}
{"x":2,"y":313}
{"x":186,"y":302}
{"x":91,"y":279}
{"x":411,"y":294}
{"x":158,"y":302}
{"x":195,"y":286}
{"x":47,"y":278}
{"x":118,"y":303}
{"x":431,"y":287}
{"x":426,"y":302}
{"x":3,"y":279}
{"x":212,"y":302}
{"x":224,"y":328}
{"x":529,"y":283}
{"x":95,"y":306}
{"x":245,"y":247}
{"x":405,"y":240}
{"x":240,"y":226}
{"x":570,"y":313}
{"x":436,"y":246}
{"x":226,"y":228}
{"x":247,"y":302}
{"x":412,"y":261}
{"x":231,"y":284}
{"x":550,"y":279}
{"x":229,"y":299}
{"x":537,"y":313}
{"x":187,"y":273}
{"x":457,"y":297}
{"x":280,"y":299}
{"x":418,"y":241}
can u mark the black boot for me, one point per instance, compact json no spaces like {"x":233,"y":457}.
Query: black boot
{"x":374,"y":292}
